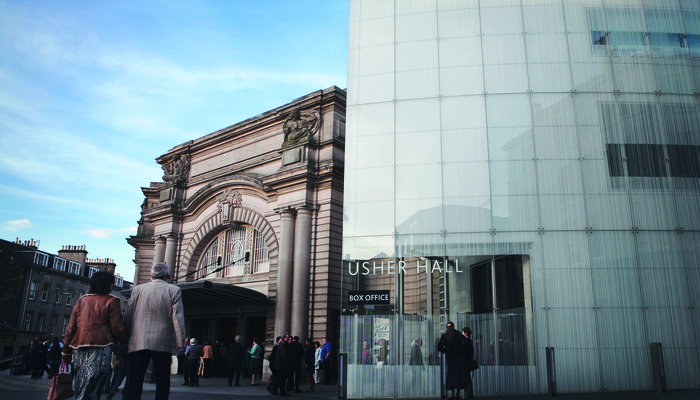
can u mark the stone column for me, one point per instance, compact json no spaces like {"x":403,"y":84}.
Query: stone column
{"x":170,"y":252}
{"x":302,"y":259}
{"x":159,"y":254}
{"x":285,"y":272}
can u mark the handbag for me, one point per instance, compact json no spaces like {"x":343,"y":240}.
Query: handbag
{"x":61,"y":384}
{"x":472,"y":365}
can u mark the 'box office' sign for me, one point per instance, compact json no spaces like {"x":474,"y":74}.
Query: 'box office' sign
{"x":369,"y":297}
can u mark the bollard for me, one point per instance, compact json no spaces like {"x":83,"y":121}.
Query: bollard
{"x":658,"y":372}
{"x":343,"y":376}
{"x":551,"y":372}
{"x":443,"y":376}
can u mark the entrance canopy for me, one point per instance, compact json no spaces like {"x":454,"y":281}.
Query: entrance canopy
{"x":212,"y":294}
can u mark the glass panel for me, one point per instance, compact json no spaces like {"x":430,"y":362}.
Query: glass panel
{"x":419,"y":216}
{"x":374,"y":151}
{"x":608,"y":211}
{"x":417,"y":84}
{"x":498,"y":19}
{"x":459,"y":22}
{"x":688,"y":206}
{"x":511,"y":144}
{"x":460,"y":52}
{"x":373,"y":119}
{"x":513,"y":178}
{"x":418,"y":181}
{"x":559,"y":177}
{"x":418,"y":115}
{"x":503,"y":50}
{"x":553,"y":110}
{"x":563,"y":212}
{"x":375,"y":88}
{"x":618,"y":288}
{"x":464,"y":145}
{"x":418,"y":148}
{"x":461,"y":80}
{"x":506,"y":78}
{"x":550,"y":77}
{"x":514,"y":213}
{"x":376,"y":60}
{"x":462,"y":112}
{"x":468,"y":214}
{"x":414,"y":27}
{"x":556,"y":142}
{"x":375,"y":32}
{"x":364,"y":248}
{"x":466,"y":179}
{"x":540,"y":17}
{"x":416,"y":55}
{"x":653,"y":211}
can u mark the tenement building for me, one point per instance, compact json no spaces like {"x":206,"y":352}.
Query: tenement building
{"x":39,"y":289}
{"x":529,"y":169}
{"x":249,"y":219}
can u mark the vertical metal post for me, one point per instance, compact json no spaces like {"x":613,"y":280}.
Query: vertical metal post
{"x":443,"y":376}
{"x":551,"y":372}
{"x":343,"y":375}
{"x":658,"y":372}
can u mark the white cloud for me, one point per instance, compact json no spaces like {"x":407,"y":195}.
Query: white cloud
{"x":108,"y":233}
{"x":17,"y":225}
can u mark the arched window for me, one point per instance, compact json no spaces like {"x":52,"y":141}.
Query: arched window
{"x":227,"y":252}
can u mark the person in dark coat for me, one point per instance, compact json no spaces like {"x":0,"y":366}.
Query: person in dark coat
{"x":282,"y":367}
{"x":236,"y":355}
{"x":467,"y":358}
{"x":310,"y":360}
{"x":193,"y":353}
{"x":451,"y":344}
{"x":296,"y":354}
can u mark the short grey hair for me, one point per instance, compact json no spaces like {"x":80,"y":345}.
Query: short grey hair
{"x":160,"y":271}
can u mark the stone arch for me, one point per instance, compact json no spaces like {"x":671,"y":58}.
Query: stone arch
{"x":215,"y":224}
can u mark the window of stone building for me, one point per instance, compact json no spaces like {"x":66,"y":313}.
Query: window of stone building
{"x":27,"y":321}
{"x":69,"y":297}
{"x":59,"y":264}
{"x":45,"y":292}
{"x":65,"y":325}
{"x":57,"y":295}
{"x":41,"y":259}
{"x":234,"y":250}
{"x":74,"y":267}
{"x":92,"y":271}
{"x":52,"y":328}
{"x":40,"y":322}
{"x":32,"y":290}
{"x":261,"y":257}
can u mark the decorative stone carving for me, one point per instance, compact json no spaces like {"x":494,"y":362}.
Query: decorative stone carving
{"x":300,"y":125}
{"x":232,"y":197}
{"x":178,"y":169}
{"x":228,"y":200}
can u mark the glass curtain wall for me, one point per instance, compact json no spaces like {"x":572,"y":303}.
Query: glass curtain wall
{"x":530,"y":169}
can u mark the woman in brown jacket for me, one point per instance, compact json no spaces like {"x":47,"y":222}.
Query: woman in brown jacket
{"x":95,"y":325}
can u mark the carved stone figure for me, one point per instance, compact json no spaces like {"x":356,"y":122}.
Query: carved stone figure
{"x":177,"y":169}
{"x":298,"y":126}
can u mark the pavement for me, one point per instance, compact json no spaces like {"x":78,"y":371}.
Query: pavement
{"x":24,"y":388}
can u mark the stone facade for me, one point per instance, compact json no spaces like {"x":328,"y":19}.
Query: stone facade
{"x":253,"y":208}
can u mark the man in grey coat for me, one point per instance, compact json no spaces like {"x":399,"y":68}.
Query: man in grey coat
{"x":155,"y":321}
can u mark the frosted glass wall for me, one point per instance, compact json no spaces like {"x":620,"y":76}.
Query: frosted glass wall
{"x":561,"y":137}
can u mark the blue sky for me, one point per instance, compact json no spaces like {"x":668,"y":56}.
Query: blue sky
{"x":92,"y":92}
